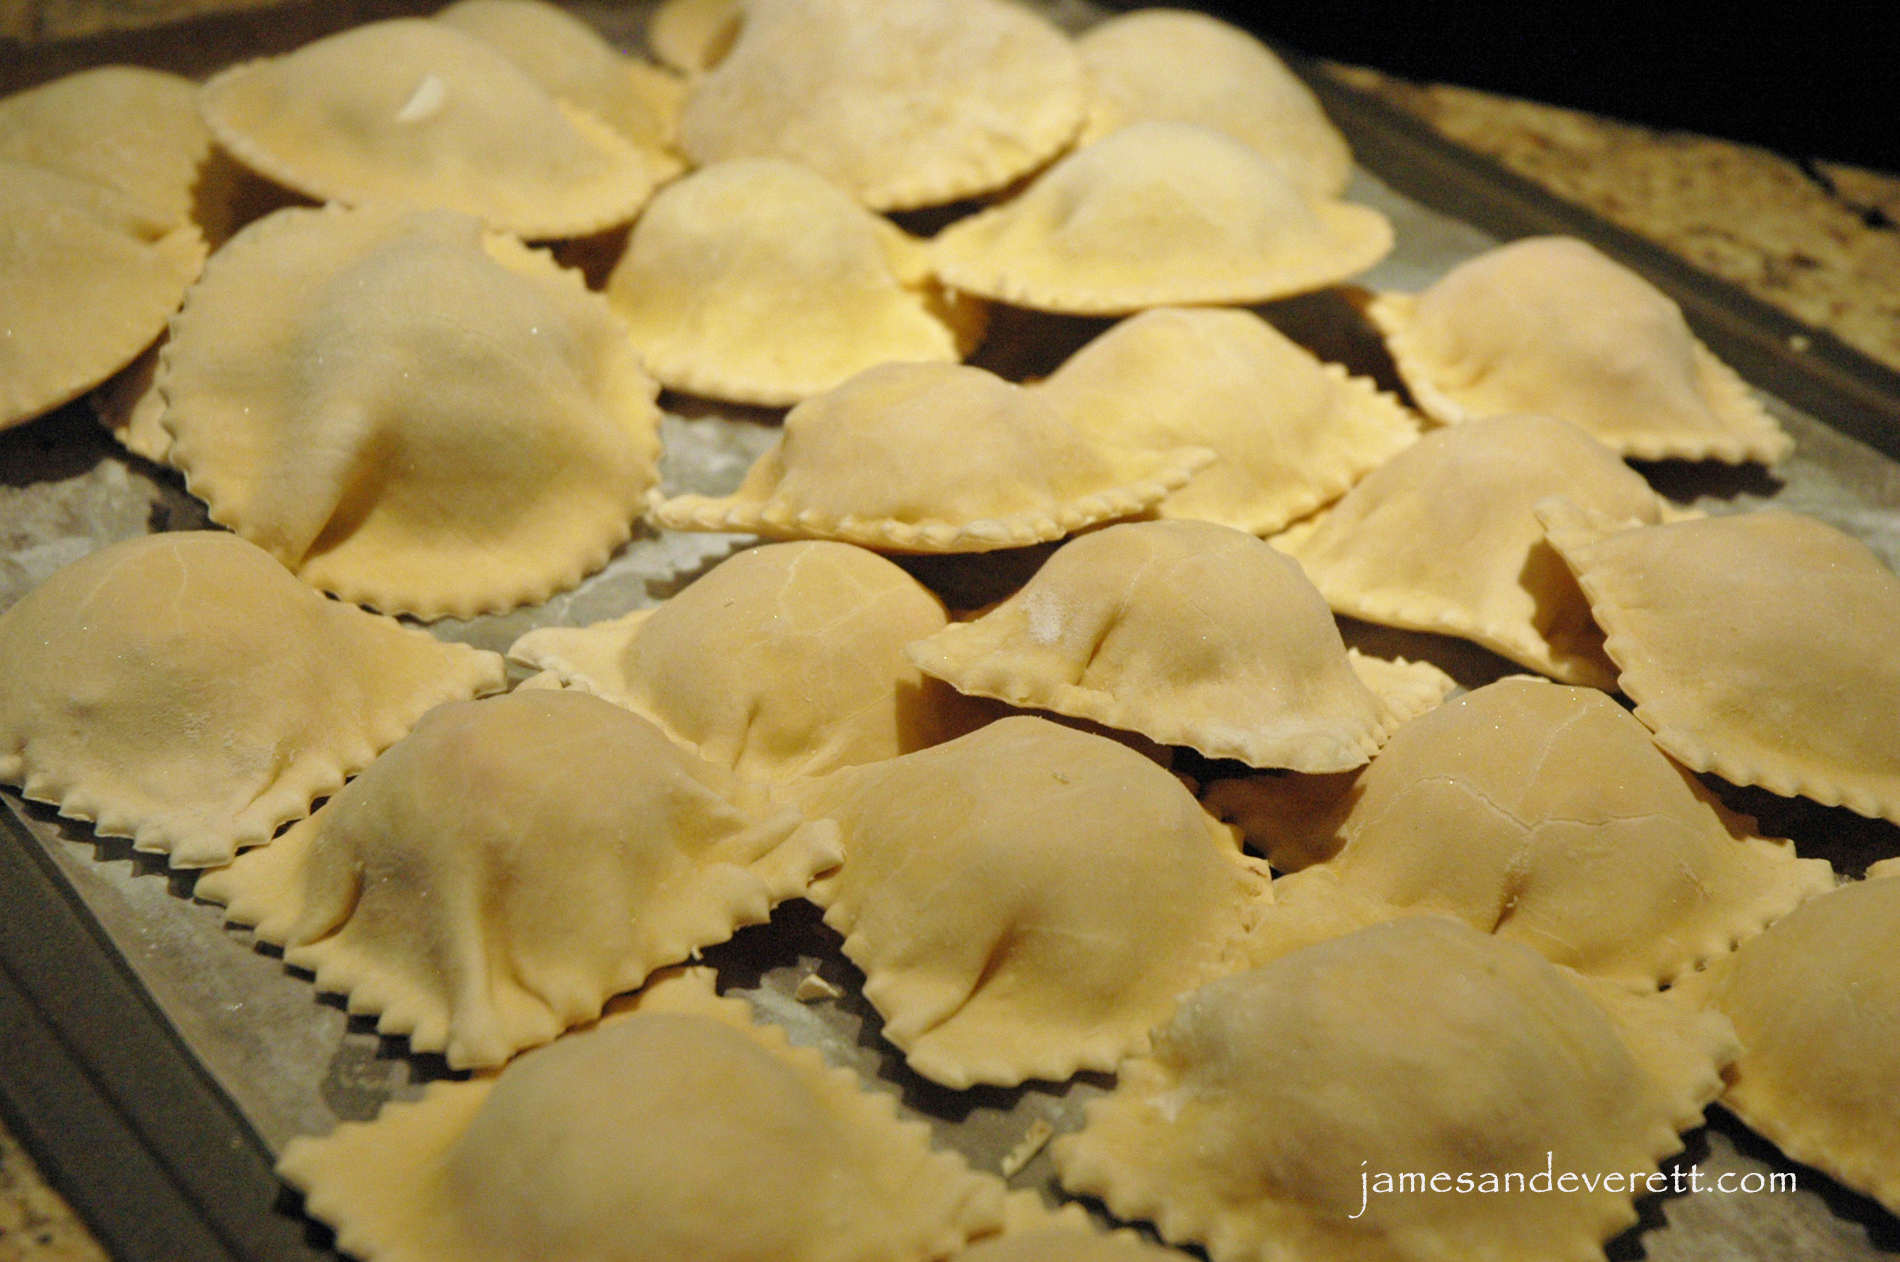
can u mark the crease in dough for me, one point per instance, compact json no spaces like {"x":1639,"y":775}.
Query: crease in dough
{"x":1028,"y":901}
{"x":786,"y":660}
{"x":1158,"y":214}
{"x":1414,"y":1045}
{"x":1176,"y":66}
{"x":1186,"y":632}
{"x":1292,"y":434}
{"x":1550,"y":325}
{"x":183,"y":690}
{"x":1545,"y":815}
{"x":1443,"y":538}
{"x":933,"y":458}
{"x":410,"y":413}
{"x":677,"y":1130}
{"x":758,"y":281}
{"x":903,"y":103}
{"x":413,"y":111}
{"x":1816,"y":1001}
{"x":1760,"y":646}
{"x":499,"y":872}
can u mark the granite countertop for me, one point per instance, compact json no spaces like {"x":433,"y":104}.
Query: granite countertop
{"x":1817,"y":240}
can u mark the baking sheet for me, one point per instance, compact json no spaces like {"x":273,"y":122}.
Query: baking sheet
{"x":295,"y":1063}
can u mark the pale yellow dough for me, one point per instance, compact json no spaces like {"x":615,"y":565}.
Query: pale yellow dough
{"x":1414,"y":1046}
{"x":1759,"y":646}
{"x":1552,"y":326}
{"x":1443,"y":538}
{"x":88,"y":277}
{"x":1028,"y":901}
{"x":758,"y":281}
{"x":1176,"y":66}
{"x":566,"y":57}
{"x":1068,"y":1246}
{"x":183,"y":690}
{"x":1545,"y":815}
{"x":1292,"y":434}
{"x":413,"y":111}
{"x":693,"y":36}
{"x":1816,"y":1003}
{"x":787,"y":660}
{"x":903,"y":103}
{"x":1158,"y":214}
{"x":501,"y":871}
{"x":680,"y":1132}
{"x":1186,"y":632}
{"x":407,"y":413}
{"x":934,"y":458}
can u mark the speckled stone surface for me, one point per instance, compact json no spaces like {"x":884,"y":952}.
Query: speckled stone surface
{"x":35,"y":1224}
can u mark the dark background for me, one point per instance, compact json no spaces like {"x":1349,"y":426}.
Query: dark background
{"x":1808,"y":80}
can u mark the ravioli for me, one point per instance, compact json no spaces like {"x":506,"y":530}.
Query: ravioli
{"x":88,"y":278}
{"x":413,"y":111}
{"x":933,"y":458}
{"x":1758,"y":646}
{"x":1291,"y":434}
{"x":1443,"y":538}
{"x":759,"y":282}
{"x":1545,"y":815}
{"x":1186,"y":632}
{"x":1552,"y":326}
{"x":678,"y":1132}
{"x":1158,"y":214}
{"x":1174,"y":66}
{"x":903,"y":103}
{"x":1027,"y":901}
{"x":693,"y":36}
{"x":407,"y":413}
{"x":1815,"y":1001}
{"x":183,"y":690}
{"x":1419,"y":1045}
{"x":511,"y":863}
{"x":786,"y":660}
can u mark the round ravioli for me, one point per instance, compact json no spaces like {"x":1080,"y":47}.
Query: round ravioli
{"x":693,"y":36}
{"x":408,"y":413}
{"x":678,"y":1132}
{"x":1443,"y":538}
{"x":1759,"y":646}
{"x":1169,"y":65}
{"x":183,"y":690}
{"x":760,"y":282}
{"x":1154,"y":215}
{"x":1815,"y":1002}
{"x":414,"y":111}
{"x":1599,"y":852}
{"x":1186,"y":632}
{"x":1291,"y":434}
{"x":88,"y":278}
{"x":903,"y":103}
{"x":511,"y":863}
{"x":1281,"y":1105}
{"x":787,"y":660}
{"x":1550,"y":325}
{"x":934,"y":458}
{"x":1028,"y":901}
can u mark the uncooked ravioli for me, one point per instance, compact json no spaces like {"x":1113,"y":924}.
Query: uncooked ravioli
{"x":1186,"y":632}
{"x":678,"y":1132}
{"x":185,"y":691}
{"x":409,"y":413}
{"x":903,"y":103}
{"x":1291,"y":434}
{"x":1759,"y":646}
{"x":1028,"y":901}
{"x":1158,"y":214}
{"x":1552,"y":326}
{"x":934,"y":458}
{"x":511,"y":863}
{"x":786,"y":660}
